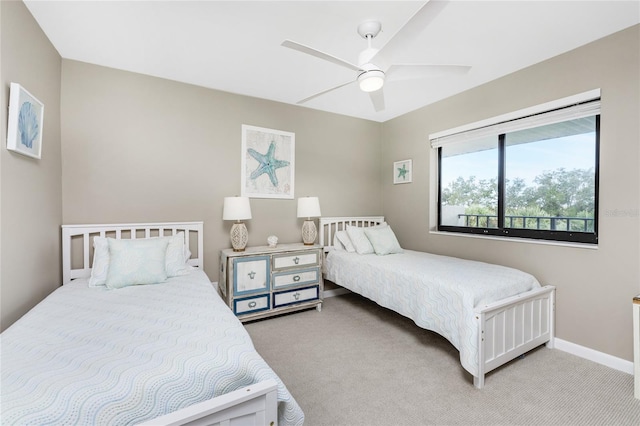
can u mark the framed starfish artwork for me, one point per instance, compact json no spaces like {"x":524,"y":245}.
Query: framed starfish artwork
{"x":402,"y":171}
{"x":268,"y":163}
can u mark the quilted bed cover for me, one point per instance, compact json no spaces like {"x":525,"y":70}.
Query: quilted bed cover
{"x":438,"y":293}
{"x":92,"y":356}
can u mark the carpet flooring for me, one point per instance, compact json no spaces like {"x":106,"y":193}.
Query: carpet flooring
{"x":356,"y":363}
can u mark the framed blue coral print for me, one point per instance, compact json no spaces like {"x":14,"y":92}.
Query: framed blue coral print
{"x":268,"y":163}
{"x":26,"y":117}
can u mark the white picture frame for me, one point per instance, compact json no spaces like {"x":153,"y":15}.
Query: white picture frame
{"x":25,"y":122}
{"x":402,"y":171}
{"x":268,"y":163}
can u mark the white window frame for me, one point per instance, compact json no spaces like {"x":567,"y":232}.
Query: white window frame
{"x":534,"y":116}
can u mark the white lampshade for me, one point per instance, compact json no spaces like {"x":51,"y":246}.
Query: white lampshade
{"x":236,"y":208}
{"x":370,"y":81}
{"x":309,"y":207}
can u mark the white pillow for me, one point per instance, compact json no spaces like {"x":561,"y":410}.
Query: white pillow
{"x":100,"y":266}
{"x":383,"y":240}
{"x":337,"y":245}
{"x":359,"y":240}
{"x":344,"y":239}
{"x":176,"y":258}
{"x":135,"y":262}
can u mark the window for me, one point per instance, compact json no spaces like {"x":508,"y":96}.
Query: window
{"x":530,"y":177}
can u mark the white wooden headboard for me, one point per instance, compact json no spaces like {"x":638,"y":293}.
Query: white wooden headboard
{"x":330,"y":225}
{"x":82,"y":235}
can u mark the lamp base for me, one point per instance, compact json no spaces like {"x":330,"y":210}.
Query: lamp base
{"x":309,"y":232}
{"x":239,"y":236}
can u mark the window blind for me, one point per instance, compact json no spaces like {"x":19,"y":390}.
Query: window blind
{"x":584,"y":105}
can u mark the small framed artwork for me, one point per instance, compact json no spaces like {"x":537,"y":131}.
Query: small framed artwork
{"x":268,"y":163}
{"x":402,"y":171}
{"x":26,"y":117}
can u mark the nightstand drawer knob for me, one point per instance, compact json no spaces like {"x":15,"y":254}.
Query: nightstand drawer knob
{"x":252,"y":304}
{"x":252,"y":274}
{"x":296,"y":278}
{"x":296,"y":295}
{"x":296,"y":260}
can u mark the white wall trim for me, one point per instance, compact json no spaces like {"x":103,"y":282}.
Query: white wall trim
{"x":595,"y":356}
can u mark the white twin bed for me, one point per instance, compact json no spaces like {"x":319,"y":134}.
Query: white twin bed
{"x":160,"y":354}
{"x":491,"y":314}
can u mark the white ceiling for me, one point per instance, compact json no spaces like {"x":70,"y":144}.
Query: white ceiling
{"x":234,"y":46}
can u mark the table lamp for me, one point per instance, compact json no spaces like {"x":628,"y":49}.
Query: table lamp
{"x":238,"y":209}
{"x":309,"y":207}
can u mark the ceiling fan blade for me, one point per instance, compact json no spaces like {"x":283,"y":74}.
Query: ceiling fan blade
{"x":318,"y":54}
{"x":325,"y":91}
{"x":410,"y":30}
{"x":377,"y":98}
{"x":399,"y":72}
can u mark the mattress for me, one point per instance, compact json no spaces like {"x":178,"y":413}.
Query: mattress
{"x":93,"y":356}
{"x":438,"y":293}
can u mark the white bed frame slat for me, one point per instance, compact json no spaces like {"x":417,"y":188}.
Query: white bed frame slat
{"x":507,"y":328}
{"x":86,"y":249}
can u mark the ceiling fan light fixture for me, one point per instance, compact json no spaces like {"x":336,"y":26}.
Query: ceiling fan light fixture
{"x":371,"y":80}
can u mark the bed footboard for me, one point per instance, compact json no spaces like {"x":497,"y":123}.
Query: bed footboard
{"x":512,"y":327}
{"x":253,"y":405}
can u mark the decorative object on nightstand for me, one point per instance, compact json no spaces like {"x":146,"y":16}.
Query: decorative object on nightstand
{"x":265,"y":281}
{"x":272,"y":241}
{"x":309,"y":207}
{"x":238,"y":209}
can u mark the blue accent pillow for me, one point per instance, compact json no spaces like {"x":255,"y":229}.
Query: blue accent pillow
{"x":135,"y":262}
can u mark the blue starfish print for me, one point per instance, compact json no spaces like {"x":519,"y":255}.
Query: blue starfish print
{"x":268,"y":164}
{"x":402,"y":173}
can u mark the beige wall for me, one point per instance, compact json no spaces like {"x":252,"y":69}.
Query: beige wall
{"x":31,"y":190}
{"x":143,"y":149}
{"x":594,"y":287}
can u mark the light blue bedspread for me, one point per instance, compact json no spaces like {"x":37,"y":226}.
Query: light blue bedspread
{"x":438,"y":293}
{"x":92,"y":356}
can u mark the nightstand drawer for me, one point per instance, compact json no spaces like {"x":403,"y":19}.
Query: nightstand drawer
{"x":295,"y":296}
{"x":297,"y":259}
{"x":251,"y":274}
{"x":252,"y":304}
{"x":298,"y":277}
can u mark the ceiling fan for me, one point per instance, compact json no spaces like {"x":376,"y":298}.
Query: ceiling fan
{"x":374,"y":66}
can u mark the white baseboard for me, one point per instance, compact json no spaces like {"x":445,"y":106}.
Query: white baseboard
{"x":563,"y":345}
{"x":595,"y":356}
